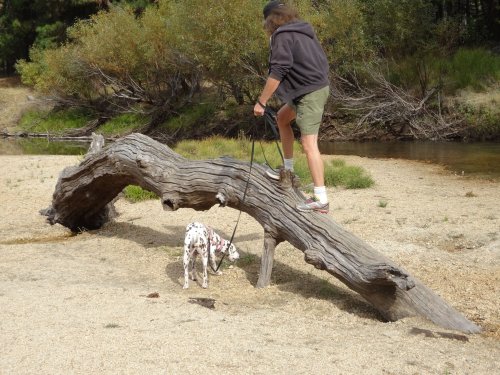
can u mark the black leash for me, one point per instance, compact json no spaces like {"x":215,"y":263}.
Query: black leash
{"x":239,"y":215}
{"x":269,"y":119}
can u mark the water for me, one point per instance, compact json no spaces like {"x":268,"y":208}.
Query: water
{"x":473,"y":159}
{"x":41,"y":146}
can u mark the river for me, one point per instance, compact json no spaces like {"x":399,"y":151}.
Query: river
{"x":481,"y":159}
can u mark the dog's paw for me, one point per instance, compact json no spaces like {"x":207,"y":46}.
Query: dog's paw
{"x":186,"y":286}
{"x":218,"y":273}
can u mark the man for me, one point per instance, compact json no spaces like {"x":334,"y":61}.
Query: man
{"x":298,"y":73}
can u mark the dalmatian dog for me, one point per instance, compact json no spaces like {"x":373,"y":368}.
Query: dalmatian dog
{"x":201,"y":239}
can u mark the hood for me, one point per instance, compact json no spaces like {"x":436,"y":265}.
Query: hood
{"x":297,"y":27}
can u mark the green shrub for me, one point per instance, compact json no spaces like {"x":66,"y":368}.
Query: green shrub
{"x":122,"y":124}
{"x":190,"y":117}
{"x":382,"y":203}
{"x":57,"y":72}
{"x":399,"y":27}
{"x":337,"y":173}
{"x":134,"y":194}
{"x":176,"y":42}
{"x":475,"y":68}
{"x":224,"y":37}
{"x":247,"y":260}
{"x":339,"y":25}
{"x":55,"y":122}
{"x":115,"y":58}
{"x":483,"y":121}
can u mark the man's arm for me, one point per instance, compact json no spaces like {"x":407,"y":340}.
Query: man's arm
{"x":268,"y":91}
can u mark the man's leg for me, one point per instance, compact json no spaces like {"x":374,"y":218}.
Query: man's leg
{"x":314,"y":161}
{"x":309,"y":114}
{"x":286,"y":115}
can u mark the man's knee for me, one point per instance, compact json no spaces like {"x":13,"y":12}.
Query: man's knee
{"x":285,"y":116}
{"x":283,"y":122}
{"x":310,"y":143}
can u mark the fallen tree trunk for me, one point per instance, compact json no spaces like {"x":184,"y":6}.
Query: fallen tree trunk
{"x":83,"y":194}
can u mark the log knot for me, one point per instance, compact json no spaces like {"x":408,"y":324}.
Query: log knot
{"x":314,"y":257}
{"x":386,"y":274}
{"x":401,"y":279}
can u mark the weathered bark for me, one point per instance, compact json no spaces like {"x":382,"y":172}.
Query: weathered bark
{"x":83,"y":193}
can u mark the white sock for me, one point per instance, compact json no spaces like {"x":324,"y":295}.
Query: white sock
{"x":320,"y":194}
{"x":288,"y":164}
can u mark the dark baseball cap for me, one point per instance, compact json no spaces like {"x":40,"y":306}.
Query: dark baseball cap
{"x":270,"y":6}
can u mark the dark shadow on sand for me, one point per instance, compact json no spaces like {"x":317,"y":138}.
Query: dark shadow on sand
{"x":287,"y":278}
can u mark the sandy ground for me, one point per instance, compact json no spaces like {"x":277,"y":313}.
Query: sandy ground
{"x":79,"y":304}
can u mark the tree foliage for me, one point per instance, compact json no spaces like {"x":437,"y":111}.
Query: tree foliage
{"x":25,"y":22}
{"x":152,"y":56}
{"x":43,"y":23}
{"x":224,"y":37}
{"x":402,"y":27}
{"x":340,"y":26}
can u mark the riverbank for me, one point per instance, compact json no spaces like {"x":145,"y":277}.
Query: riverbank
{"x":80,"y":303}
{"x":13,"y":102}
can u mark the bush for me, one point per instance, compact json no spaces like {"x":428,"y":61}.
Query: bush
{"x":134,"y":194}
{"x":400,"y":27}
{"x":189,"y":117}
{"x":53,"y":122}
{"x":337,"y":173}
{"x":475,"y":68}
{"x":114,"y":61}
{"x":225,"y":38}
{"x":118,"y":56}
{"x":339,"y":25}
{"x":483,"y":120}
{"x":123,"y":124}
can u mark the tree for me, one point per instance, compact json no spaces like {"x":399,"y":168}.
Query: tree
{"x":225,"y":38}
{"x":43,"y":23}
{"x":25,"y":22}
{"x":84,"y":194}
{"x":399,"y":27}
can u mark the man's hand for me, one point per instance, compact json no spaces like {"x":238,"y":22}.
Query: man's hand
{"x":258,"y":110}
{"x":270,"y":87}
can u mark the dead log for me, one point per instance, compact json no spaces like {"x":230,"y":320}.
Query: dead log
{"x":83,"y":195}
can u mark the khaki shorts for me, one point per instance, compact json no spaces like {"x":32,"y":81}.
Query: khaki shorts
{"x":309,"y":110}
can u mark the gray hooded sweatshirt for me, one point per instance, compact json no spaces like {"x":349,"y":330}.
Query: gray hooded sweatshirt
{"x":297,"y":61}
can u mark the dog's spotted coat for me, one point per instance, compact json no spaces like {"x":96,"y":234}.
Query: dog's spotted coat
{"x":197,"y":241}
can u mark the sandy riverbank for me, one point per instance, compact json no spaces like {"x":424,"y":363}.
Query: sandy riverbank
{"x":78,"y":304}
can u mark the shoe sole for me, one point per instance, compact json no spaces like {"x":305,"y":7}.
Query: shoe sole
{"x":272,"y":176}
{"x":320,"y":210}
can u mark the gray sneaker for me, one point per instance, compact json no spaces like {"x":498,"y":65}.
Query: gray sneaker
{"x":312,"y":204}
